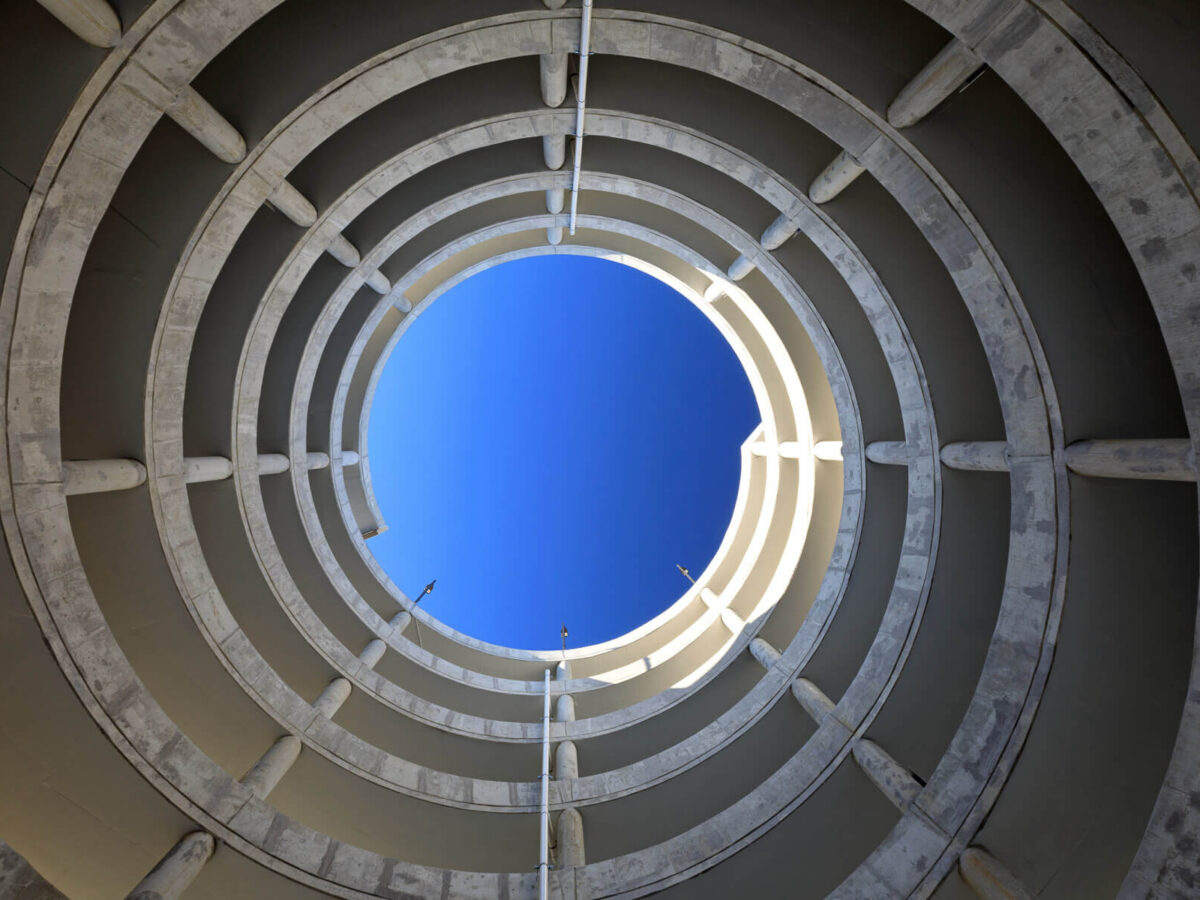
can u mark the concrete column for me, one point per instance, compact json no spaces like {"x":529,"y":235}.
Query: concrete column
{"x":834,"y":178}
{"x":739,"y":268}
{"x":569,"y":839}
{"x":316,"y":460}
{"x":564,"y":708}
{"x":400,"y":621}
{"x":984,"y":874}
{"x":976,"y":456}
{"x":372,"y":653}
{"x":830,"y":451}
{"x":764,"y":652}
{"x":344,"y":252}
{"x":273,"y":463}
{"x":177,"y":870}
{"x":206,"y":468}
{"x":566,"y":761}
{"x":332,"y":697}
{"x":1156,"y":460}
{"x":265,"y":774}
{"x":350,"y":458}
{"x":554,"y":77}
{"x":95,"y":476}
{"x":556,"y":200}
{"x":944,"y":74}
{"x":293,"y":204}
{"x":710,"y":599}
{"x":777,"y":233}
{"x":554,"y":4}
{"x":888,"y":453}
{"x":93,"y":21}
{"x":812,"y":699}
{"x":554,"y":235}
{"x":895,"y":781}
{"x":378,"y":282}
{"x":554,"y":150}
{"x":785,"y":449}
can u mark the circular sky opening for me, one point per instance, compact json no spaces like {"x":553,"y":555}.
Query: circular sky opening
{"x":548,"y":439}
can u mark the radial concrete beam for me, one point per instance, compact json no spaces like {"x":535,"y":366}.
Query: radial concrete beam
{"x":785,"y":449}
{"x":740,"y":268}
{"x":199,"y":119}
{"x":95,"y":476}
{"x":344,"y":251}
{"x":564,"y":708}
{"x":556,"y":201}
{"x":1157,"y":460}
{"x":570,"y":838}
{"x":553,"y":68}
{"x":976,"y":456}
{"x":350,"y":458}
{"x":93,"y":21}
{"x":562,"y":672}
{"x":893,"y":780}
{"x":177,"y":870}
{"x":778,"y":232}
{"x":554,"y":235}
{"x":272,"y":463}
{"x":266,"y":774}
{"x":378,"y":282}
{"x":812,"y":699}
{"x":830,"y":451}
{"x":834,"y":178}
{"x":190,"y":111}
{"x":316,"y":460}
{"x":400,"y":621}
{"x":732,"y":621}
{"x":766,"y":655}
{"x":990,"y":880}
{"x":206,"y":468}
{"x":888,"y":453}
{"x":554,"y":150}
{"x":944,"y":74}
{"x":566,"y":761}
{"x":372,"y":653}
{"x":293,"y":204}
{"x":332,"y":698}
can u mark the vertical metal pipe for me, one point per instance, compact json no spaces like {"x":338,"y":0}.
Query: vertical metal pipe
{"x":585,"y":39}
{"x":544,"y":839}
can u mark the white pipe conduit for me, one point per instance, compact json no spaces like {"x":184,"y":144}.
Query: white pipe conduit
{"x":544,"y":837}
{"x":585,"y":40}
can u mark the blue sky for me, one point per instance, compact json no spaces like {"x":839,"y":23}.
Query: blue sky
{"x":547,"y":440}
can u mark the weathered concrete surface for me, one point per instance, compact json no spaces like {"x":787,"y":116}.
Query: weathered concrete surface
{"x":976,"y":456}
{"x":1163,"y":460}
{"x":99,"y":475}
{"x":945,"y":74}
{"x":20,"y":881}
{"x":93,"y":21}
{"x":988,"y":878}
{"x":177,"y":870}
{"x":835,"y":178}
